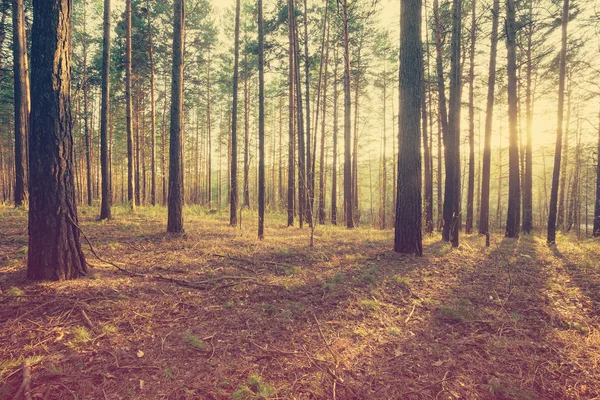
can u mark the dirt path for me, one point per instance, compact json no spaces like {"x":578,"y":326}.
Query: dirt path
{"x":347,"y":319}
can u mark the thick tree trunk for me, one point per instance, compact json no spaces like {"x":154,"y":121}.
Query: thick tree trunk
{"x":334,"y":162}
{"x":129,"y":125}
{"x":528,"y":175}
{"x":564,"y":166}
{"x":54,"y":249}
{"x":261,"y":125}
{"x":302,"y":183}
{"x":233,"y":199}
{"x":471,"y":178}
{"x":487,"y":148}
{"x":596,"y":231}
{"x":310,"y":178}
{"x":452,"y":139}
{"x":427,"y":160}
{"x":513,"y":215}
{"x":86,"y":114}
{"x":152,"y":113}
{"x":348,"y":195}
{"x":246,"y":188}
{"x":21,"y":105}
{"x":322,"y":154}
{"x":175,"y":211}
{"x":408,"y":235}
{"x":291,"y":189}
{"x":559,"y":129}
{"x":106,"y":202}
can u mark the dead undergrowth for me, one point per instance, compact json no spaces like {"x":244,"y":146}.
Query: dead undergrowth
{"x":347,"y":319}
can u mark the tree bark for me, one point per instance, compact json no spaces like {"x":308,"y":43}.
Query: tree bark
{"x":452,"y":139}
{"x":105,"y":212}
{"x":175,"y":211}
{"x":527,"y":226}
{"x":487,"y":148}
{"x":408,"y":235}
{"x":54,"y":249}
{"x":559,"y":129}
{"x":21,"y":103}
{"x":233,"y":199}
{"x":334,"y":162}
{"x":513,"y":215}
{"x":129,"y":126}
{"x":291,"y":189}
{"x":596,"y":229}
{"x":261,"y":125}
{"x":348,"y":195}
{"x":152,"y":112}
{"x":471,"y":178}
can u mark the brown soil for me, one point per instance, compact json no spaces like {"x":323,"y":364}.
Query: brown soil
{"x":347,"y":319}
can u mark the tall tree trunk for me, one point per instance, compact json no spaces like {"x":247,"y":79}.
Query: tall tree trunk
{"x":426,"y":156}
{"x":106,"y":203}
{"x":152,"y":112}
{"x":471,"y":178}
{"x":513,"y":215}
{"x":86,"y":113}
{"x":233,"y":200}
{"x":334,"y":162}
{"x":261,"y":125}
{"x":175,"y":211}
{"x":21,"y":105}
{"x":484,"y":223}
{"x":209,"y":193}
{"x":310,"y":178}
{"x":562,"y":189}
{"x":163,"y":140}
{"x":54,"y":249}
{"x":348,"y":196}
{"x":291,"y":189}
{"x":355,"y":140}
{"x":382,"y":213}
{"x":452,"y":139}
{"x":322,"y":155}
{"x":246,"y":137}
{"x":596,"y":231}
{"x":408,"y":236}
{"x":302,"y":184}
{"x":528,"y":176}
{"x":128,"y":111}
{"x":559,"y":128}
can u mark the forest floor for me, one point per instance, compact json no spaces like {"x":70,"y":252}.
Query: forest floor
{"x":277,"y":319}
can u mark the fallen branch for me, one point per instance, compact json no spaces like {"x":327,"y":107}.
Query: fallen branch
{"x":325,"y":341}
{"x":25,"y":387}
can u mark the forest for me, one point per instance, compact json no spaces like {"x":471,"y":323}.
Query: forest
{"x":299,"y":199}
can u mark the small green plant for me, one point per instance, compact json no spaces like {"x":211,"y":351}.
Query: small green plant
{"x":256,"y":389}
{"x":287,"y":270}
{"x":394,"y":331}
{"x":228,"y":304}
{"x":578,"y":327}
{"x":401,"y":280}
{"x":169,"y":373}
{"x":370,"y":276}
{"x":81,"y":335}
{"x":369,"y":305}
{"x":458,"y":313}
{"x":23,"y":250}
{"x":14,"y":292}
{"x":194,"y":341}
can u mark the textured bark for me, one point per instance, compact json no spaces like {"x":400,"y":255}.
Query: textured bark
{"x":452,"y":139}
{"x":471,"y":177}
{"x":175,"y":211}
{"x":427,"y":161}
{"x":106,"y":201}
{"x":562,"y":187}
{"x":513,"y":215}
{"x":21,"y":104}
{"x":233,"y":194}
{"x":152,"y":112}
{"x":408,"y":235}
{"x":484,"y":210}
{"x":334,"y":162}
{"x":261,"y":125}
{"x":310,"y":177}
{"x":291,"y":189}
{"x":86,"y":114}
{"x":302,"y":184}
{"x":551,"y":238}
{"x":527,"y":226}
{"x":322,"y":154}
{"x":348,"y":195}
{"x":129,"y":126}
{"x":54,"y":248}
{"x":596,"y":230}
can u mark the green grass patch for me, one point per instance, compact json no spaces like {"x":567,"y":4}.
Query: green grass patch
{"x":194,"y":341}
{"x":255,"y":389}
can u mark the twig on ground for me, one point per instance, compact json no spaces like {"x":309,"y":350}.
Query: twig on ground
{"x":426,"y":387}
{"x":325,"y":341}
{"x":25,"y":387}
{"x":411,"y":314}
